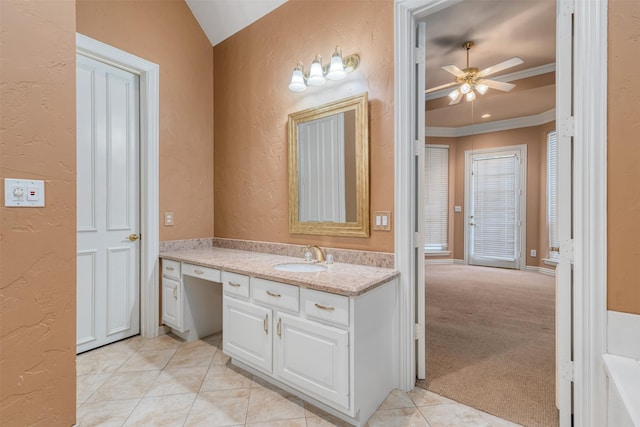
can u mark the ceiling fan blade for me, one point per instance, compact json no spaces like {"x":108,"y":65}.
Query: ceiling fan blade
{"x":501,"y":66}
{"x":495,"y":84}
{"x":457,"y":99}
{"x":453,"y":70}
{"x":437,"y":88}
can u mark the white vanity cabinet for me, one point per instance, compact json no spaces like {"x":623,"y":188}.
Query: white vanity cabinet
{"x":336,"y":351}
{"x":172,"y":293}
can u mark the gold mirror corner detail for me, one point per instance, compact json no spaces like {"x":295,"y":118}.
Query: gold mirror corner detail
{"x":356,"y":213}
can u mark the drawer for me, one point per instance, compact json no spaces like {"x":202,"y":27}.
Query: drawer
{"x":205,"y":273}
{"x":325,"y":306}
{"x":275,"y":294}
{"x":171,"y":268}
{"x":235,"y":284}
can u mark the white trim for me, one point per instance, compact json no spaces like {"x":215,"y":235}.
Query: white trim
{"x":518,"y":75}
{"x":458,"y":262}
{"x":541,"y":270}
{"x":438,"y":261}
{"x":498,"y":125}
{"x":624,"y":390}
{"x":550,"y":261}
{"x":623,"y":332}
{"x":149,"y":74}
{"x":590,"y":211}
{"x":436,"y":253}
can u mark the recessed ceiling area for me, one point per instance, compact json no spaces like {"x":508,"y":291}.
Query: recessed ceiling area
{"x":222,"y":18}
{"x":499,"y":29}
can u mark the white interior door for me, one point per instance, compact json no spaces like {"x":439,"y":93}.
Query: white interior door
{"x":564,"y":269}
{"x":421,"y":338}
{"x":495,"y":197}
{"x":108,"y":206}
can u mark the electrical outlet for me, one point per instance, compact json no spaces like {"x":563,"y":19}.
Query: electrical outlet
{"x":533,"y":253}
{"x":168,"y":218}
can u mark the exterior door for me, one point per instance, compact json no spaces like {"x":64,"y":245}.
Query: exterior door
{"x":495,"y":196}
{"x":108,"y":204}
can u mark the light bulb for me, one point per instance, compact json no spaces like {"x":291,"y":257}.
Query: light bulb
{"x":482,"y":88}
{"x":470,"y":96}
{"x":316,"y":76}
{"x":336,"y":68}
{"x":454,"y":94}
{"x":297,"y":79}
{"x":465,"y":88}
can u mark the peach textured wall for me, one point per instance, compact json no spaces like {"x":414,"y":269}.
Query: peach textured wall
{"x":37,"y":287}
{"x":623,"y":176}
{"x":251,"y":73}
{"x":166,"y":33}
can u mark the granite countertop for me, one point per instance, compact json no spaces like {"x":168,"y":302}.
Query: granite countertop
{"x":342,"y":279}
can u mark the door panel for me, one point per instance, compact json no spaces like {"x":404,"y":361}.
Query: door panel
{"x":108,"y":206}
{"x":247,"y":333}
{"x":313,"y":357}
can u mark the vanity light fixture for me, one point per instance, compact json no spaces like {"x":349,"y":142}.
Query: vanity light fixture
{"x":318,"y":74}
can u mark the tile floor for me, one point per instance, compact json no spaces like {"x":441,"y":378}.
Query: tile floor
{"x":166,"y":382}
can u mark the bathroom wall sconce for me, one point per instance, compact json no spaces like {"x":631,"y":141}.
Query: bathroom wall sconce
{"x":337,"y":69}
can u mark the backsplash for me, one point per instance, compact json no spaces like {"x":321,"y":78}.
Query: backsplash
{"x":347,"y":256}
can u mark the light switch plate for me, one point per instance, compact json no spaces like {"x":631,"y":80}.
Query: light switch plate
{"x":23,"y":193}
{"x":168,"y":218}
{"x":382,"y":221}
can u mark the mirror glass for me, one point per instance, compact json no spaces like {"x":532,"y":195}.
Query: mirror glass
{"x":329,"y":169}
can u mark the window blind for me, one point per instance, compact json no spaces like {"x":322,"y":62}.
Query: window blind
{"x":436,"y":213}
{"x":495,"y":193}
{"x":552,"y":193}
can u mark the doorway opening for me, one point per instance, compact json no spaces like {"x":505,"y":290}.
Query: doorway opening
{"x":490,"y":297}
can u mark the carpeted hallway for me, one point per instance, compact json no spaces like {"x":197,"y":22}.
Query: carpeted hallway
{"x":491,"y":341}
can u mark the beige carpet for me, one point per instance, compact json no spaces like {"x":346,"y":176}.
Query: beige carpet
{"x":491,"y":341}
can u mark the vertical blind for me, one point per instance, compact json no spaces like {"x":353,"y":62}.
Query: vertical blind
{"x":495,"y":210}
{"x":436,"y":213}
{"x":552,"y":192}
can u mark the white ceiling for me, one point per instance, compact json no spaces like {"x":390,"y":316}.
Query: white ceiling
{"x":500,"y":29}
{"x":222,"y":18}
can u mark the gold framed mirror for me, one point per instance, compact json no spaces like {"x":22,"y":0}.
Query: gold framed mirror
{"x":329,"y":169}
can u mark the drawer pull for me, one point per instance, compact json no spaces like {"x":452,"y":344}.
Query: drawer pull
{"x":169,"y":268}
{"x":265,"y":324}
{"x":273,"y":294}
{"x":198,"y":271}
{"x":279,"y":328}
{"x":325,"y":307}
{"x":234,"y":284}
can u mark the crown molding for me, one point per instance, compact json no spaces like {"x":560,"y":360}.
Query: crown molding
{"x":499,"y":125}
{"x":518,"y":75}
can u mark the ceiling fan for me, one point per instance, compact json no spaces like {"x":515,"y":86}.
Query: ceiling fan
{"x":471,"y":80}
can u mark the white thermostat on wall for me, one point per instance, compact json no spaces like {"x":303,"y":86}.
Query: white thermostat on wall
{"x":23,"y":193}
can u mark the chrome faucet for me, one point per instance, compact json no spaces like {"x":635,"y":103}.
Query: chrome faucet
{"x":319,"y":253}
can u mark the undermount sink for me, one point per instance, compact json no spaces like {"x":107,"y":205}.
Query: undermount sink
{"x":300,"y":268}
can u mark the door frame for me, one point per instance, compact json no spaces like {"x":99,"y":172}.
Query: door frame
{"x":522,"y":199}
{"x":589,"y":125}
{"x":149,"y":74}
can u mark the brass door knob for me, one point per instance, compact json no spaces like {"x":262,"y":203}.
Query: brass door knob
{"x":133,"y":237}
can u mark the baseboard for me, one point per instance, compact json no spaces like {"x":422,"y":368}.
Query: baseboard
{"x":438,"y":261}
{"x":621,"y":330}
{"x":542,"y":270}
{"x":459,"y":262}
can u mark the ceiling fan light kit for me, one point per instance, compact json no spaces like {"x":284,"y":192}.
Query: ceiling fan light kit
{"x":471,"y":80}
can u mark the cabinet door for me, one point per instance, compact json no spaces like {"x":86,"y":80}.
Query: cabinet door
{"x":313,"y":358}
{"x":172,"y":303}
{"x":247,"y":333}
